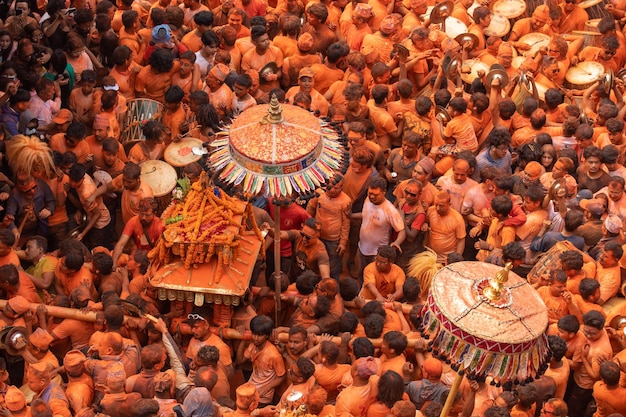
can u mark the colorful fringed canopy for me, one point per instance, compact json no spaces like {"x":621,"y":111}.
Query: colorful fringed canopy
{"x":485,"y":328}
{"x":281,"y":150}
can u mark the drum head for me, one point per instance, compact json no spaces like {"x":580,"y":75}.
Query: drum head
{"x":179,"y":154}
{"x":499,"y":26}
{"x":536,"y":41}
{"x":584,"y":73}
{"x":510,"y":8}
{"x":474,"y":65}
{"x":160,"y":176}
{"x":588,"y":3}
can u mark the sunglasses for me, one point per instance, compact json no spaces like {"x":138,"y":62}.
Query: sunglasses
{"x":305,"y":236}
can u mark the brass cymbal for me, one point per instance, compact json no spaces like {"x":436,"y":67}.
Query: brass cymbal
{"x":465,"y":37}
{"x":497,"y":71}
{"x":441,"y":11}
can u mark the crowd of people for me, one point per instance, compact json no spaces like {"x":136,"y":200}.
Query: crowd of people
{"x":517,"y":164}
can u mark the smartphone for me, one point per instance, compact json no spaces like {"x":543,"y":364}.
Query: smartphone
{"x":18,"y":12}
{"x":71,"y":11}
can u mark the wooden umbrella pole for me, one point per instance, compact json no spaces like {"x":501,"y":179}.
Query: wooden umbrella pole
{"x":451,"y":396}
{"x":277,"y":266}
{"x":61,"y":312}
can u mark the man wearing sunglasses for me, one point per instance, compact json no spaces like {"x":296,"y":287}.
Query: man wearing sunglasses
{"x":604,"y":55}
{"x":310,"y":250}
{"x":573,"y":17}
{"x":31,"y":199}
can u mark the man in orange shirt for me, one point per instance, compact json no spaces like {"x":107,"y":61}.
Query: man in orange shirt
{"x":610,"y":397}
{"x":153,"y":80}
{"x":8,"y":256}
{"x":573,"y":17}
{"x":316,"y":16}
{"x":100,"y":133}
{"x":305,"y":83}
{"x":263,"y":53}
{"x":73,"y":140}
{"x":392,"y":349}
{"x":14,"y":283}
{"x":131,"y":187}
{"x":129,"y":36}
{"x":97,"y":230}
{"x":329,"y":373}
{"x":71,"y":274}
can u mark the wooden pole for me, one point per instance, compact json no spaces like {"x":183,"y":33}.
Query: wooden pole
{"x":277,"y":266}
{"x":451,"y":396}
{"x":225,"y":333}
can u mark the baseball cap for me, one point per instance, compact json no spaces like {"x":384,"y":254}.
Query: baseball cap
{"x":306,"y":72}
{"x":161,"y":34}
{"x":594,"y":206}
{"x":63,"y":116}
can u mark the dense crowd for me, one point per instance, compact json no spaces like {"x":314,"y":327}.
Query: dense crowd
{"x":482,"y":146}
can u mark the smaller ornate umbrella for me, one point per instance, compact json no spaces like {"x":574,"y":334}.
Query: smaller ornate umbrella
{"x":483,"y":327}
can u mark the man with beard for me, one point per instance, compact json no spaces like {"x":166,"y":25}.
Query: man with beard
{"x":144,"y":228}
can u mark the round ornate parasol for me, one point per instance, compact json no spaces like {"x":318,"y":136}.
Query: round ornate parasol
{"x":483,"y":327}
{"x":280,"y":151}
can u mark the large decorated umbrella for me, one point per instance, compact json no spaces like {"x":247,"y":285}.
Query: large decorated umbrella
{"x":279,"y":151}
{"x":486,"y":321}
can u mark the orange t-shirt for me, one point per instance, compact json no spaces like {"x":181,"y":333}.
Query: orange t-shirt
{"x":81,"y":150}
{"x":557,"y":307}
{"x":140,"y":153}
{"x":126,"y":80}
{"x":154,"y":85}
{"x":192,"y":41}
{"x":68,"y":284}
{"x":131,"y":199}
{"x":82,"y":106}
{"x":10,"y":259}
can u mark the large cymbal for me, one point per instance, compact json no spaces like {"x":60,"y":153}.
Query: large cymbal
{"x":497,"y":71}
{"x":441,"y":11}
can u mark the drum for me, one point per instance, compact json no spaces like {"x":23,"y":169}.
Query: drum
{"x":179,"y":154}
{"x":474,"y":65}
{"x":536,"y":41}
{"x":517,"y":61}
{"x":592,"y":25}
{"x":499,"y":26}
{"x":549,"y":261}
{"x":583,"y":75}
{"x":510,"y":9}
{"x":161,"y":177}
{"x":589,"y":38}
{"x":594,"y":8}
{"x":139,"y":110}
{"x":454,"y":27}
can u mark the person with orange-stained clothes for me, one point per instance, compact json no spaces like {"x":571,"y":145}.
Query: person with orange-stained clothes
{"x":15,"y":402}
{"x":300,"y":376}
{"x":188,"y":76}
{"x":82,"y":99}
{"x":294,"y":63}
{"x":130,"y":37}
{"x":203,"y":22}
{"x":39,"y":380}
{"x":573,"y":17}
{"x":71,"y":274}
{"x":125,"y":71}
{"x":317,"y":25}
{"x":13,"y":312}
{"x":610,"y":397}
{"x":16,"y":283}
{"x":263,"y":53}
{"x":482,"y":19}
{"x":329,"y":373}
{"x":101,"y":131}
{"x":221,"y":96}
{"x":8,"y":255}
{"x":73,"y":140}
{"x":153,"y":147}
{"x":558,"y":368}
{"x":556,"y":297}
{"x":356,"y":398}
{"x":268,"y":367}
{"x":79,"y":389}
{"x":155,"y":78}
{"x":327,"y":72}
{"x":445,"y":227}
{"x":306,"y":84}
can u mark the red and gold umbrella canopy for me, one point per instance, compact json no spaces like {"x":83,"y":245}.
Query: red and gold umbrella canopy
{"x":483,"y":327}
{"x":281,"y":150}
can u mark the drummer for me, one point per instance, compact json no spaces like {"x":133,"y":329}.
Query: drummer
{"x":482,"y":19}
{"x":606,"y":26}
{"x":604,"y":55}
{"x":574,"y":17}
{"x":559,"y":49}
{"x":538,"y":22}
{"x":153,"y":147}
{"x":549,"y":71}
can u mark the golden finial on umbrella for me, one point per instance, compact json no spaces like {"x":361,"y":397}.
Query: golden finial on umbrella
{"x":274,"y":113}
{"x":496,"y":285}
